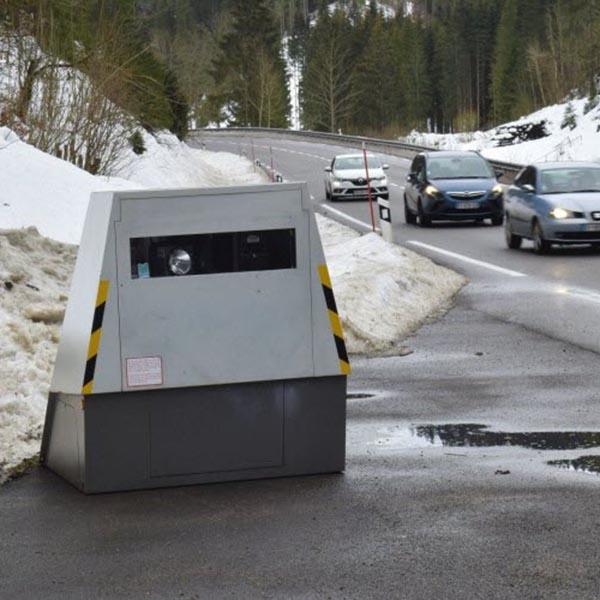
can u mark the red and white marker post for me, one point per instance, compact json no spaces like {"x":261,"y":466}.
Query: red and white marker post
{"x":369,"y":193}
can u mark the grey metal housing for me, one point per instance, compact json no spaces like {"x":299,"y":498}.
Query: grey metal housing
{"x":209,"y":377}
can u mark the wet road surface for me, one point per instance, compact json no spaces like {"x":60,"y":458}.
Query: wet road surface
{"x":415,"y":515}
{"x":408,"y":519}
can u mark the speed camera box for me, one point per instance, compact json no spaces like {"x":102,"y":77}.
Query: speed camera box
{"x":201,"y":343}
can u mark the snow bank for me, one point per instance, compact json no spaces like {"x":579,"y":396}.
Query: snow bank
{"x":170,"y":163}
{"x":52,"y":195}
{"x":384,"y":292}
{"x":580,"y":143}
{"x":34,"y":283}
{"x":43,"y":191}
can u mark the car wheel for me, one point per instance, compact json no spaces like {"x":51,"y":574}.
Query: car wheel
{"x":409,"y":217}
{"x":540,"y":244}
{"x":512,"y":241}
{"x":497,"y":220}
{"x":424,"y":220}
{"x":327,"y":194}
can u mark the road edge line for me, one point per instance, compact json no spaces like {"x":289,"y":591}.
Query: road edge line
{"x":467,"y":259}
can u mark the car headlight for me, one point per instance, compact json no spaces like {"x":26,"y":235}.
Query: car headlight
{"x":337,"y":181}
{"x":561,"y":213}
{"x":432,"y":191}
{"x":497,"y":190}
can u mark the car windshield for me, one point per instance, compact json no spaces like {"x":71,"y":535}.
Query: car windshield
{"x":570,"y":181}
{"x":348,"y":163}
{"x":471,"y":166}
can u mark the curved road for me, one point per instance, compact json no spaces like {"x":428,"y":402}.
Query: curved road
{"x":558,"y":294}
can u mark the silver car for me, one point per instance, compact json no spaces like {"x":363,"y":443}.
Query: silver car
{"x":554,"y":203}
{"x":346,"y":178}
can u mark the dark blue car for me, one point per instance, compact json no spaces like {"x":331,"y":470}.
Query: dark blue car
{"x":452,"y":186}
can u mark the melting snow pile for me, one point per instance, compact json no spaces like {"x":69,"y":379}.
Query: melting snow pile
{"x":34,"y":282}
{"x":384,"y":292}
{"x":573,"y":134}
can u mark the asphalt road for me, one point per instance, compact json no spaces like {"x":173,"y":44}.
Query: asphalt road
{"x":430,"y":504}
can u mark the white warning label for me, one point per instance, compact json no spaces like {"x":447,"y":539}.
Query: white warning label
{"x":144,"y":371}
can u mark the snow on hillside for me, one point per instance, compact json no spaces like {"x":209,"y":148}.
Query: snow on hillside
{"x":582,"y":142}
{"x":294,"y":80}
{"x":169,"y":162}
{"x":41,"y":189}
{"x":388,"y":12}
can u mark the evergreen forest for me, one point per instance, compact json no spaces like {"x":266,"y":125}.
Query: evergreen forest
{"x":439,"y":65}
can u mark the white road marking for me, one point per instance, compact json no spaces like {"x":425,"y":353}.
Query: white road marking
{"x":467,"y":259}
{"x":581,"y":293}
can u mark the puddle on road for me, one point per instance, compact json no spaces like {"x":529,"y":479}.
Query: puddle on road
{"x":585,"y":464}
{"x":359,"y":395}
{"x":480,"y":436}
{"x":474,"y":435}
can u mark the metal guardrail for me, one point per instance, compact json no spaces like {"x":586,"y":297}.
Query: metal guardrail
{"x":390,"y":146}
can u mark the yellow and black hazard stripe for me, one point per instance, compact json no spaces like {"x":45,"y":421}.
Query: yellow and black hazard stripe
{"x":334,"y":319}
{"x":94,"y":346}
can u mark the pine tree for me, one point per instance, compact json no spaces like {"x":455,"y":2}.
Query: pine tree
{"x":327,"y":89}
{"x":250,"y":72}
{"x":377,"y":92}
{"x":415,"y":74}
{"x":507,"y":62}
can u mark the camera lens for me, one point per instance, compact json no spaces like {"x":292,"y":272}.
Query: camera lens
{"x":180,"y":262}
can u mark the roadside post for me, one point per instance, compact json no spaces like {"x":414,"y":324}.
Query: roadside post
{"x":385,"y":220}
{"x":201,"y":343}
{"x":369,"y":191}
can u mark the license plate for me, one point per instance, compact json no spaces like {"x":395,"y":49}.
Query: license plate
{"x":467,"y":205}
{"x":592,"y":227}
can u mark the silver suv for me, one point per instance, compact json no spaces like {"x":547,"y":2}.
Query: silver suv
{"x":346,"y":178}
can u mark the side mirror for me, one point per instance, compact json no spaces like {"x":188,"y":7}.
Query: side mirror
{"x":411,"y":178}
{"x":327,"y":169}
{"x":499,"y":174}
{"x":528,"y":188}
{"x":385,"y":167}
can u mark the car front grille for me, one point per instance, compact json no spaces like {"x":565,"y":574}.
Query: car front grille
{"x":466,"y":195}
{"x":470,"y":211}
{"x":578,"y":235}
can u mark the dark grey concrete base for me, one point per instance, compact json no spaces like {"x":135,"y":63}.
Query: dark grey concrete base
{"x":185,"y":436}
